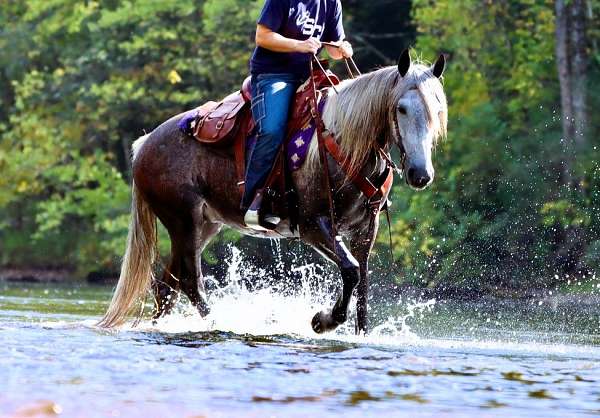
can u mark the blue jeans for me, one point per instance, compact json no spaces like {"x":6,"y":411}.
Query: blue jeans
{"x":272,"y":95}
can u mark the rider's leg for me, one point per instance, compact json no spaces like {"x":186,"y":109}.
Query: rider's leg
{"x":272,"y":95}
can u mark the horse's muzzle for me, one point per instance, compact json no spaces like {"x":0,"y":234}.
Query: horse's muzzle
{"x":418,"y":177}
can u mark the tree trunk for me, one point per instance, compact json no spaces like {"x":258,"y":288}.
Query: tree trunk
{"x":564,"y":77}
{"x":572,"y":63}
{"x":579,"y":64}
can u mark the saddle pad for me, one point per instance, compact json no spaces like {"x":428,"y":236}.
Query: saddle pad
{"x":299,"y":143}
{"x":185,"y":123}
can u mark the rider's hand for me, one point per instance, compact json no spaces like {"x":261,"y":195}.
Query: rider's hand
{"x":346,"y":49}
{"x":310,"y":46}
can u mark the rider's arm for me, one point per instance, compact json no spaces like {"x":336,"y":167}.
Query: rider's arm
{"x":273,"y":41}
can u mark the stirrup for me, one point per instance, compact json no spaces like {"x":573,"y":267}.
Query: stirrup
{"x":252,"y":220}
{"x":252,"y":216}
{"x":272,"y":219}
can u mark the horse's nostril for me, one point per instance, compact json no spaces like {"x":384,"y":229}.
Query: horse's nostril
{"x":418,"y":178}
{"x":423,"y":181}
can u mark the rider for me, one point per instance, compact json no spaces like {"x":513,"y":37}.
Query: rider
{"x":288,"y":33}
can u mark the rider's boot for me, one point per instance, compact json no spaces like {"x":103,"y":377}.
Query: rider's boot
{"x":252,"y":216}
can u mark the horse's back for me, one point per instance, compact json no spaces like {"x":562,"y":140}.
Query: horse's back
{"x":163,"y":162}
{"x":172,"y":168}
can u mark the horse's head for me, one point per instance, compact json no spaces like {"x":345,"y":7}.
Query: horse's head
{"x":419,"y":117}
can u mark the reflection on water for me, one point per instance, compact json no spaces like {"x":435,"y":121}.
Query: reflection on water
{"x":256,"y":356}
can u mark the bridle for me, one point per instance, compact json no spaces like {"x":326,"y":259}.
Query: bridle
{"x":399,"y":171}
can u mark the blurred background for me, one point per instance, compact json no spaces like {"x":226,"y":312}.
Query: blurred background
{"x":515,"y":205}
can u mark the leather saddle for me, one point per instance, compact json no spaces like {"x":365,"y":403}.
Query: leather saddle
{"x":220,"y":123}
{"x":229,"y":123}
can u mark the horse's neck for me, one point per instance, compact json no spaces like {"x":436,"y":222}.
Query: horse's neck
{"x":374,"y":164}
{"x":355,"y":100}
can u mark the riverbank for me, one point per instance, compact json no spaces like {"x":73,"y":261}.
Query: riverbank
{"x":53,"y":275}
{"x":585,"y":292}
{"x":36,"y":275}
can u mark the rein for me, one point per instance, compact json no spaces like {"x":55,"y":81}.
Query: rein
{"x":314,"y":109}
{"x":347,"y":61}
{"x":326,"y":142}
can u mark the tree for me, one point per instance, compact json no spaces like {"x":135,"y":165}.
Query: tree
{"x":81,"y":81}
{"x":493,"y":218}
{"x":572,"y":64}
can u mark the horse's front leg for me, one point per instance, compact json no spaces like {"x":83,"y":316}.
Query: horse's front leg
{"x":349,"y":268}
{"x":361,"y":245}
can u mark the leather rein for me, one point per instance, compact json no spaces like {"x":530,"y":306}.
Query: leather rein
{"x":376,"y":195}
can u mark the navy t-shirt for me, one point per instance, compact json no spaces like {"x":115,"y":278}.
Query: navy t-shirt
{"x":296,"y":19}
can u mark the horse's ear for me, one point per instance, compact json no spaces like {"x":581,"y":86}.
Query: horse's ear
{"x":404,"y":63}
{"x":439,"y":66}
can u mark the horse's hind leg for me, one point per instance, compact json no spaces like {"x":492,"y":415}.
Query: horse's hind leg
{"x":188,"y":240}
{"x":193,"y":283}
{"x":166,"y":289}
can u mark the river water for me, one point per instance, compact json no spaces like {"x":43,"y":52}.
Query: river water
{"x":255,"y":356}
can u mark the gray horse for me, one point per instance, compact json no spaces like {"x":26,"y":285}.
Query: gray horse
{"x":192,"y":189}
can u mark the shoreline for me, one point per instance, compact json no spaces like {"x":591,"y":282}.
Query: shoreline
{"x":36,"y":275}
{"x":53,"y":275}
{"x":58,"y":275}
{"x":553,"y":300}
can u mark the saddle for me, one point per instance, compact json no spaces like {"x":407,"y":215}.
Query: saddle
{"x":220,"y":123}
{"x":229,"y":124}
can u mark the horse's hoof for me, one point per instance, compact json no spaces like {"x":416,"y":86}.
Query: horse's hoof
{"x":203,"y":309}
{"x":323,"y":322}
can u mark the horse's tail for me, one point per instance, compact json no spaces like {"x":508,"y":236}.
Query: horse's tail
{"x":136,"y":269}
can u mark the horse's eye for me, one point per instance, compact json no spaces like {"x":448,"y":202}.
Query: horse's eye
{"x":402,"y":110}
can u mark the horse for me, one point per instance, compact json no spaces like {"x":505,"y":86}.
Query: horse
{"x":191,"y":188}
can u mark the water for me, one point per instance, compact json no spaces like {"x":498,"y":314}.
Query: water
{"x":255,"y":356}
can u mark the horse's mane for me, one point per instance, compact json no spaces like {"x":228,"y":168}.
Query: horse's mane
{"x":362,"y":111}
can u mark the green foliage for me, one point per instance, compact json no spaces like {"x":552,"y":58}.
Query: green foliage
{"x":497,"y":216}
{"x":79,"y":81}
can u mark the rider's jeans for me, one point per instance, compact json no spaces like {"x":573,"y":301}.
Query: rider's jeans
{"x":272,"y":95}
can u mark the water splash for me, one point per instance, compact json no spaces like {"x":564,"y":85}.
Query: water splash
{"x":257,"y":301}
{"x":398,"y":326}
